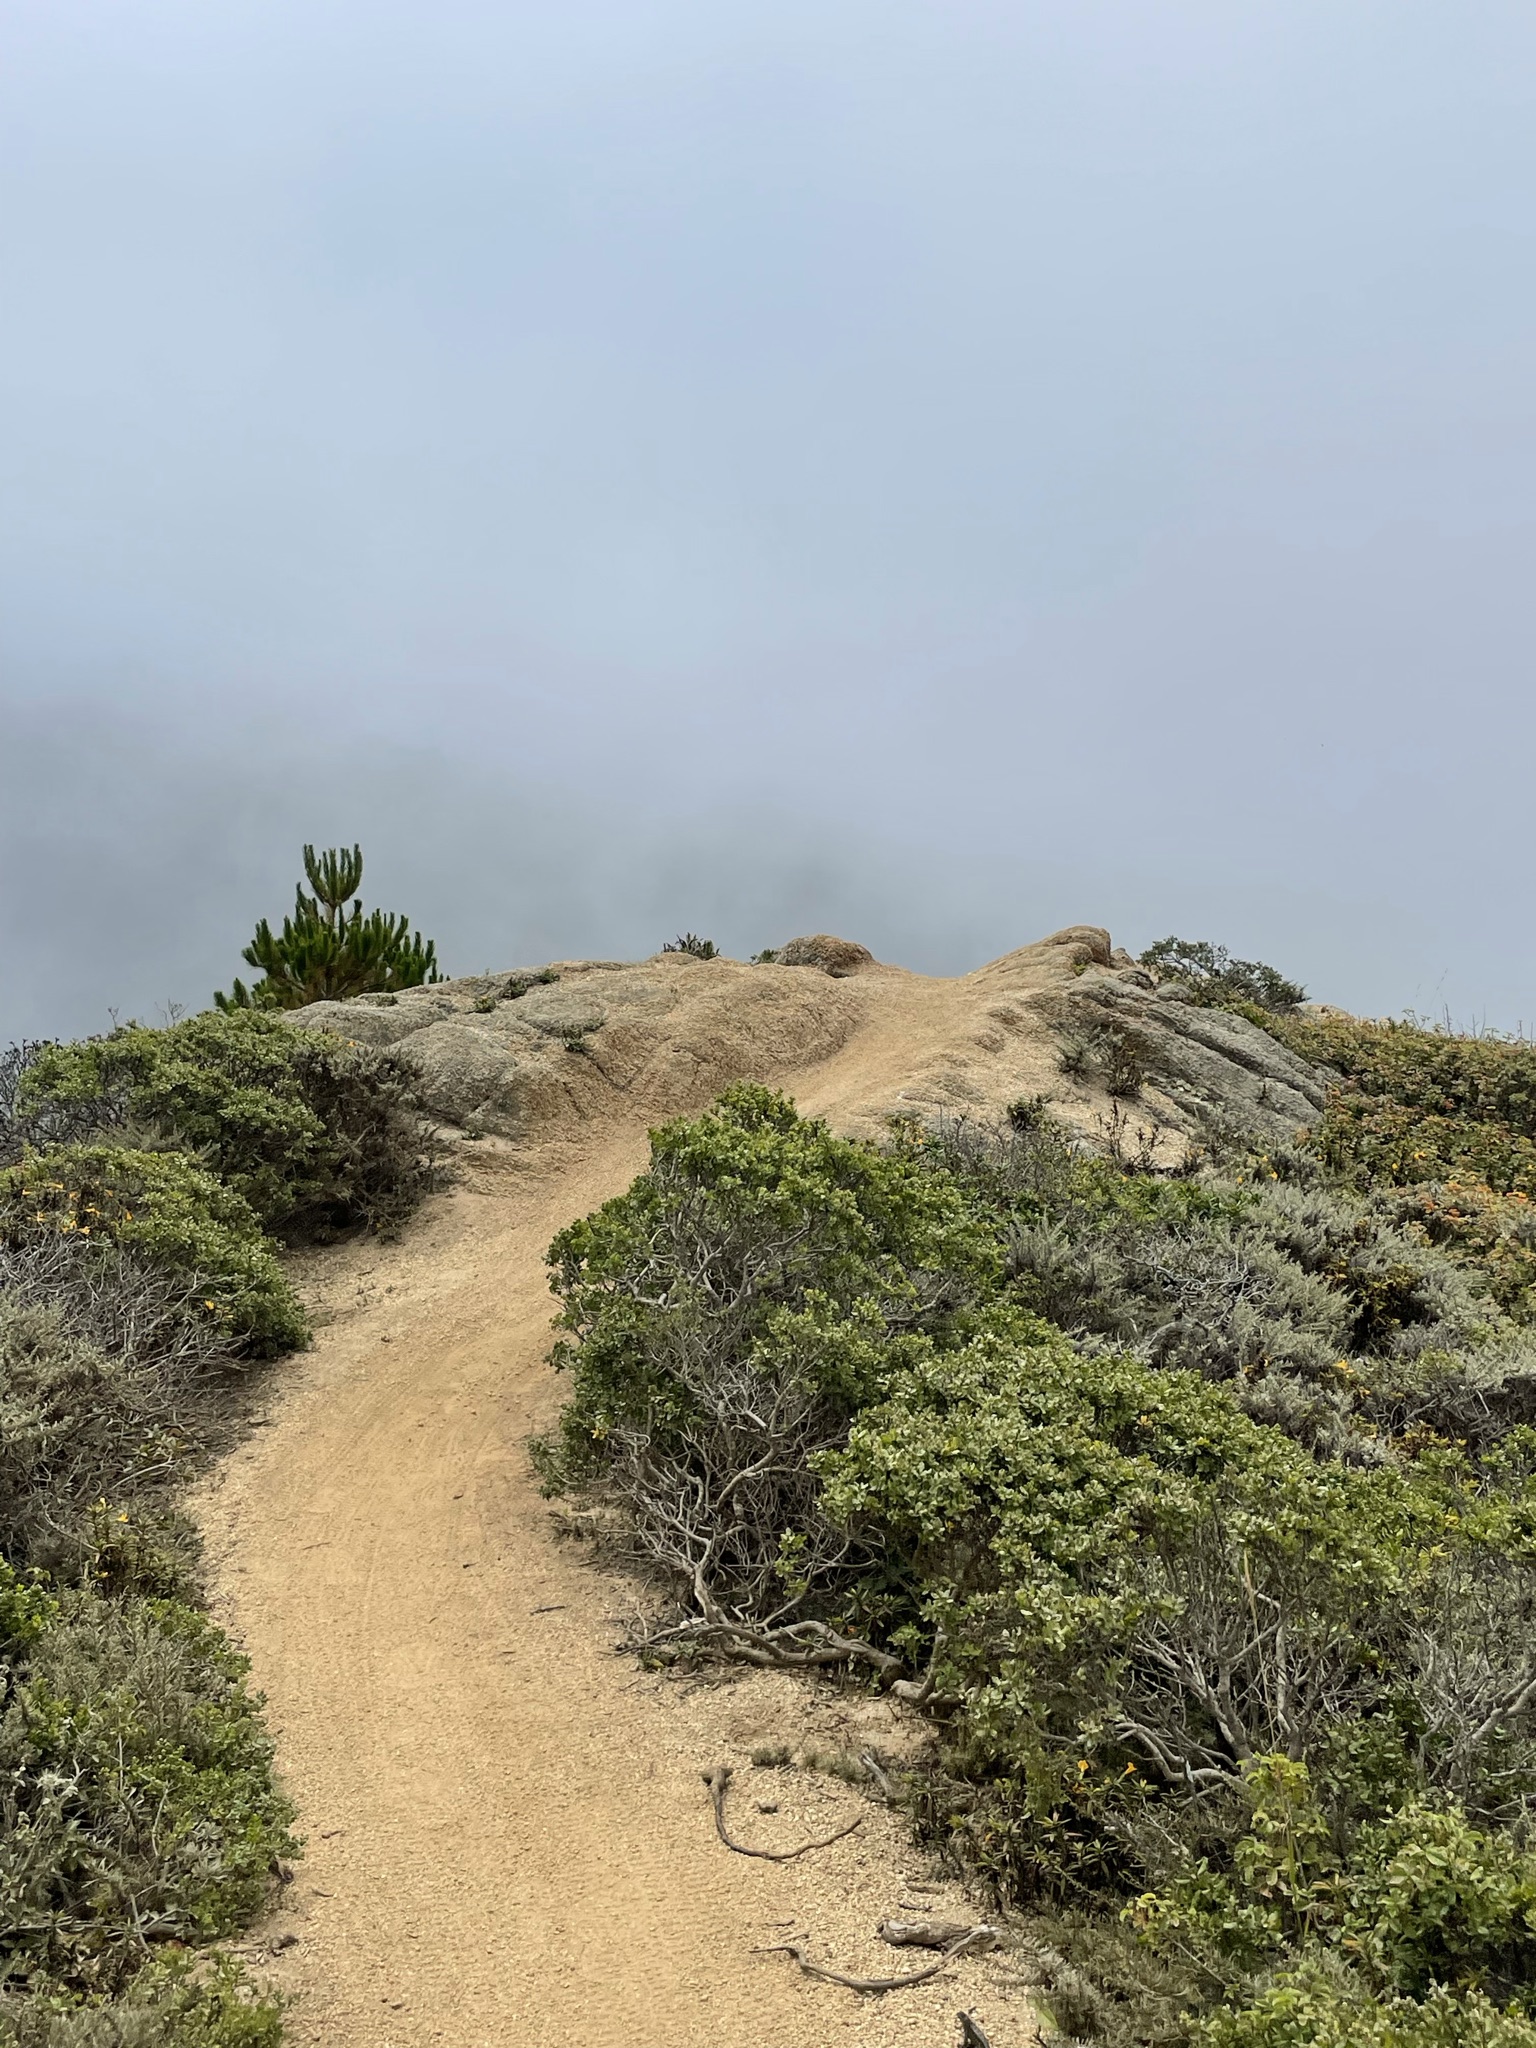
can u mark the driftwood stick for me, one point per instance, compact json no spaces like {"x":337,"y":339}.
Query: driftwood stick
{"x":867,"y":1984}
{"x":718,"y":1779}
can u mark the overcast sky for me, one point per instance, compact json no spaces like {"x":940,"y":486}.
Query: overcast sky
{"x":933,"y":472}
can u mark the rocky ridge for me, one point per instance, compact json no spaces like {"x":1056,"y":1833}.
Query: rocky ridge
{"x":522,"y":1054}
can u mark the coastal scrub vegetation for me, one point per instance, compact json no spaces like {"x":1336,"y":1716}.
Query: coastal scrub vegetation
{"x":149,"y":1181}
{"x":1196,"y":1507}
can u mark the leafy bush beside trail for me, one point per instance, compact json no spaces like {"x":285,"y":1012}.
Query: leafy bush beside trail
{"x":174,"y":2002}
{"x":316,"y":1134}
{"x":136,"y":1797}
{"x":1200,"y":1511}
{"x":137,"y":1803}
{"x":1316,"y":2008}
{"x":149,"y":1176}
{"x":172,"y":1214}
{"x":726,"y":1317}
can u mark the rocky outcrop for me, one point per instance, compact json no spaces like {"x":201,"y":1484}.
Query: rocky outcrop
{"x":522,"y":1053}
{"x":538,"y":1052}
{"x":1216,"y":1071}
{"x":836,"y":957}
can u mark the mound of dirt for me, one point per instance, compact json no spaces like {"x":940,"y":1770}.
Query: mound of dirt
{"x":536,"y":1053}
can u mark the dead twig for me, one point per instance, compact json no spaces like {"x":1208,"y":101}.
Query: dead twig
{"x":866,"y":1984}
{"x":873,"y":1765}
{"x":718,"y":1779}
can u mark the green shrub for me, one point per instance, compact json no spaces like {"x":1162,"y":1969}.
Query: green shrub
{"x":1447,"y":1119}
{"x":724,"y":1319}
{"x":137,"y":1804}
{"x":1471,"y":1081}
{"x":693,"y":945}
{"x":74,"y":1426}
{"x":1433,"y":1899}
{"x":1200,"y":1509}
{"x":1314,"y":2007}
{"x":174,"y":2002}
{"x":744,"y":1212}
{"x":1418,"y":1899}
{"x":313,"y":1132}
{"x":1132,"y":1588}
{"x":1212,"y":976}
{"x":172,"y":1214}
{"x":27,"y":1611}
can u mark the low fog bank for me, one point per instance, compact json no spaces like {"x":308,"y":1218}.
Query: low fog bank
{"x":135,"y":856}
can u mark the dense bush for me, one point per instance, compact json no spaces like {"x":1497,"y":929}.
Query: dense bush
{"x":170,"y":1213}
{"x":137,"y":1804}
{"x":1315,"y":2007}
{"x":1211,"y":975}
{"x":174,"y":2002}
{"x":1326,"y":1314}
{"x":85,"y":1424}
{"x":1448,"y":1123}
{"x":1198,"y":1508}
{"x":726,"y":1317}
{"x":136,"y":1799}
{"x":313,"y":1132}
{"x":145,"y":1174}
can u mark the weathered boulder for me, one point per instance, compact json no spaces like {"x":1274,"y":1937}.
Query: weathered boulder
{"x":1219,"y":1071}
{"x":836,"y":957}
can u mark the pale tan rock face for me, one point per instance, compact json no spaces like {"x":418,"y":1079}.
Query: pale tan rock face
{"x":508,"y":1056}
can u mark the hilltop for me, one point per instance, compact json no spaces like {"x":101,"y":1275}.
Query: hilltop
{"x":538,"y":1054}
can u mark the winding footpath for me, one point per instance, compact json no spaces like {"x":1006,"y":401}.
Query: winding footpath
{"x":508,"y":1837}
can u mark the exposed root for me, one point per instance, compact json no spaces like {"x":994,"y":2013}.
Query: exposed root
{"x":866,"y":1984}
{"x":799,"y":1646}
{"x":880,"y":1776}
{"x":718,"y":1779}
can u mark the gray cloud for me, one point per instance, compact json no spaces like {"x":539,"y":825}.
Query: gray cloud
{"x":936,"y":473}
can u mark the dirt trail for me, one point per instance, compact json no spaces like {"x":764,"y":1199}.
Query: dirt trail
{"x":509,"y":1840}
{"x":508,"y":1837}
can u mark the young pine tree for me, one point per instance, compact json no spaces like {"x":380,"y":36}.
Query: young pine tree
{"x":329,"y":947}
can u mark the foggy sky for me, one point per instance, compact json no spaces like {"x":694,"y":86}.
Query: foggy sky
{"x":934,"y":473}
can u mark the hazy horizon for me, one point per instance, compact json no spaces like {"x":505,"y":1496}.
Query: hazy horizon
{"x":933,"y":475}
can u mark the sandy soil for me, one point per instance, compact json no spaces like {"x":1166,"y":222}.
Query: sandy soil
{"x":508,"y":1837}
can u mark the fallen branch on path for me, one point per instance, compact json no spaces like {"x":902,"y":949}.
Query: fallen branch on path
{"x":866,"y":1984}
{"x":796,"y":1646}
{"x":718,"y":1779}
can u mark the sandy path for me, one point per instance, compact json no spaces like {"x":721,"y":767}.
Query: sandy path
{"x":508,"y":1839}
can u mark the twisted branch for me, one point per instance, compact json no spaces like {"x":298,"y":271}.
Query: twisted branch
{"x":718,"y":1779}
